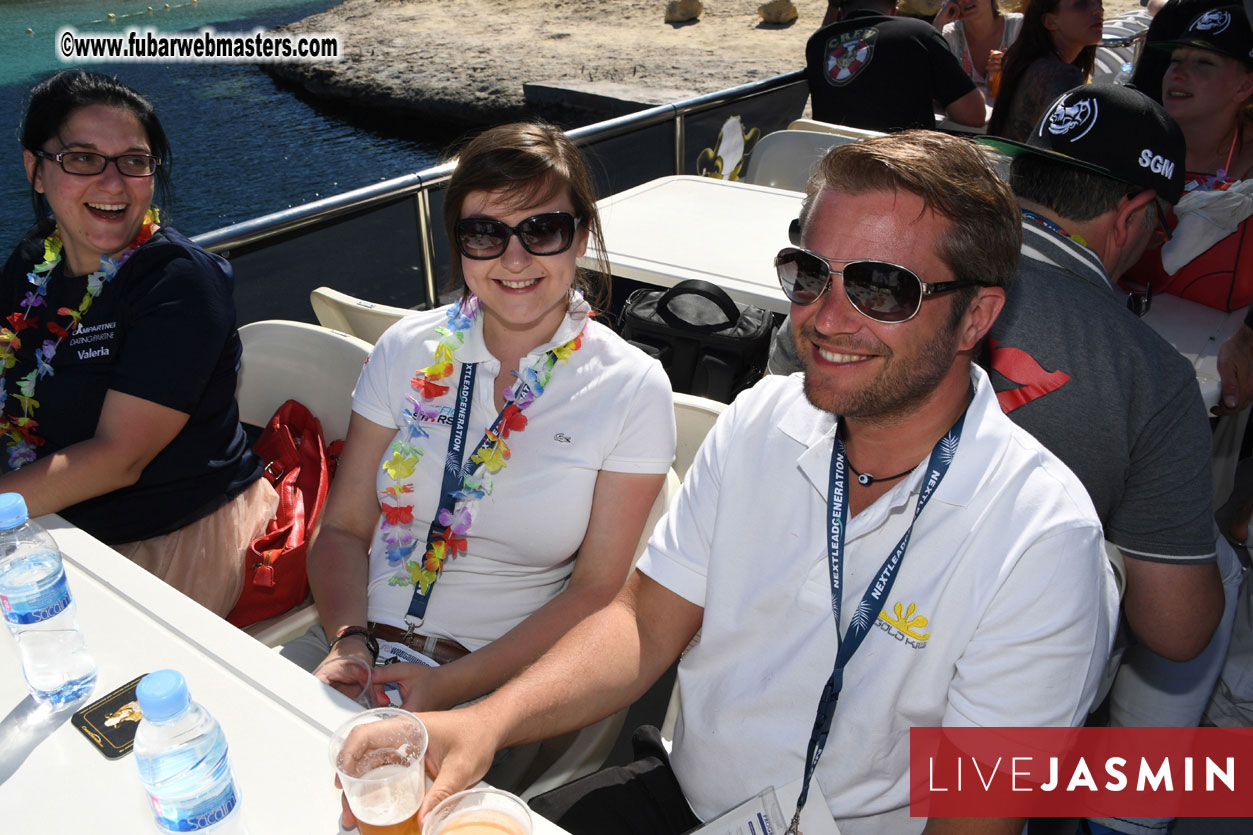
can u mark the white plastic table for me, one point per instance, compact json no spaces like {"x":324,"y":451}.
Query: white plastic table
{"x":1197,"y":332}
{"x":680,"y":227}
{"x":277,"y":718}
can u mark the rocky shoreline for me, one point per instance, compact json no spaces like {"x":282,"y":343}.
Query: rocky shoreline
{"x":450,"y":64}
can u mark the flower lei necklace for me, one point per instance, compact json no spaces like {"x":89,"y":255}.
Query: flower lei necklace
{"x":491,"y":456}
{"x":20,"y":431}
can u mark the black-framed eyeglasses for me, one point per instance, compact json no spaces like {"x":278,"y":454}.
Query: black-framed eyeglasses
{"x":483,"y":238}
{"x":880,"y":291}
{"x":89,"y":163}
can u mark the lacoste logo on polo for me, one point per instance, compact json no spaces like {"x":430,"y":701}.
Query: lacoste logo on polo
{"x":562,"y":438}
{"x":1212,"y":21}
{"x":1157,"y":163}
{"x":1080,"y":115}
{"x":849,"y":54}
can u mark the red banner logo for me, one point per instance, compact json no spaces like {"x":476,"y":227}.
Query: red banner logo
{"x":1081,"y":772}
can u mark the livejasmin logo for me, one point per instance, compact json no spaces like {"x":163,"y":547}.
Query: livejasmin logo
{"x":1080,"y":772}
{"x":1149,"y":776}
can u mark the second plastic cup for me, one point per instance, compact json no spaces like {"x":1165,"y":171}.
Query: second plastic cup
{"x":482,"y":811}
{"x":380,"y":757}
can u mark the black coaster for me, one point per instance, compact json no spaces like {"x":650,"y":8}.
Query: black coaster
{"x":110,"y":723}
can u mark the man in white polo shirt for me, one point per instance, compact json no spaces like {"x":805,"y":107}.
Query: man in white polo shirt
{"x":882,"y":491}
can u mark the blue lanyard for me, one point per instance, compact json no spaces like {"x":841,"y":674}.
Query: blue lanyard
{"x":876,"y":594}
{"x":454,"y":474}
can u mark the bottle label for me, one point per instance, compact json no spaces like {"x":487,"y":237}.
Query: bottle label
{"x":45,"y":605}
{"x":190,"y":816}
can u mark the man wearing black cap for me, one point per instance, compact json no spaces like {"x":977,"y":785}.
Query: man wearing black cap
{"x":1077,"y":368}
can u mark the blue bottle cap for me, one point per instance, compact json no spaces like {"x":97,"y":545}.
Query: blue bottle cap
{"x":162,"y":695}
{"x":12,"y":511}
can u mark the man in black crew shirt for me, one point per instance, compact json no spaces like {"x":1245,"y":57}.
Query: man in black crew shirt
{"x":871,"y":69}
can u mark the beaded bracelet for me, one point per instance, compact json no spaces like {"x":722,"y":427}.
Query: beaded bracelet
{"x":370,"y":643}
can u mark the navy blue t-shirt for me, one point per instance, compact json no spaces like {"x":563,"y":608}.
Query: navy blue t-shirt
{"x":162,"y":330}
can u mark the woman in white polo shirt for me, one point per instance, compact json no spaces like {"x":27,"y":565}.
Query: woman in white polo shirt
{"x":504,"y":452}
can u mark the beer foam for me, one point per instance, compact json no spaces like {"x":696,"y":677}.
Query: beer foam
{"x":390,"y":794}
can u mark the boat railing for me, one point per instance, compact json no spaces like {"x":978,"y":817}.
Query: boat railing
{"x":384,"y":241}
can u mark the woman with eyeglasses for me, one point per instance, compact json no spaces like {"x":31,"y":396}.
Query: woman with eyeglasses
{"x":1055,"y":52}
{"x":504,"y":451}
{"x":1208,"y":89}
{"x":119,"y":351}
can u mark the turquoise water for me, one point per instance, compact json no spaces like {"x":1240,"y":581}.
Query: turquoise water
{"x":243,"y":145}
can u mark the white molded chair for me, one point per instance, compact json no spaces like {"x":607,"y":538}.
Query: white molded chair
{"x":363,"y":319}
{"x":579,"y":753}
{"x":784,"y":159}
{"x":319,"y":367}
{"x":693,"y":418}
{"x":829,"y":127}
{"x":285,"y":360}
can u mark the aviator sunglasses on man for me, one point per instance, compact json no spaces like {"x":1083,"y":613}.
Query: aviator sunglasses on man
{"x":89,"y":164}
{"x":878,"y":290}
{"x":482,"y":238}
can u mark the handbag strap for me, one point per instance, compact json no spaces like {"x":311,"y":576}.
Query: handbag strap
{"x":697,"y":287}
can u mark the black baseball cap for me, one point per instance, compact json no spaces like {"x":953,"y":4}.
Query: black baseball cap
{"x":1224,"y":30}
{"x":1112,"y":130}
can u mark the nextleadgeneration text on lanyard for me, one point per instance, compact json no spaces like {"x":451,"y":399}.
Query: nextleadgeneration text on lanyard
{"x":453,"y":472}
{"x":876,"y":592}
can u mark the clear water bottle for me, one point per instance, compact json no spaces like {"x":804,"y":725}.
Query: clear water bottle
{"x":39,"y":610}
{"x":181,"y":755}
{"x":1124,"y":74}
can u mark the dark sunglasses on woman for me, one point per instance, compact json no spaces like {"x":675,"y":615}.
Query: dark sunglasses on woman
{"x":482,"y":238}
{"x":878,"y":290}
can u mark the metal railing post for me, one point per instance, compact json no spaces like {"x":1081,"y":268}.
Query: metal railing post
{"x":426,"y":243}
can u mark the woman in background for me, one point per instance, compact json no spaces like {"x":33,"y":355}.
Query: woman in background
{"x":973,"y":30}
{"x":1208,"y":89}
{"x":1054,"y":53}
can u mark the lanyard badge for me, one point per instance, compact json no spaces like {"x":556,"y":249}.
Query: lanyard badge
{"x":876,"y":593}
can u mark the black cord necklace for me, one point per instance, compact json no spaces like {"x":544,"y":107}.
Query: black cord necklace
{"x":866,"y":479}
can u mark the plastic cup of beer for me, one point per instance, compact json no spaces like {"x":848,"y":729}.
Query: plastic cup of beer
{"x":483,"y":811}
{"x":380,"y":757}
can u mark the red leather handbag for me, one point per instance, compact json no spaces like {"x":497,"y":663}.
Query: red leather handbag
{"x":299,"y":466}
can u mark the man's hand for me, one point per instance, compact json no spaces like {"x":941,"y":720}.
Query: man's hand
{"x":1235,"y":368}
{"x":459,"y":753}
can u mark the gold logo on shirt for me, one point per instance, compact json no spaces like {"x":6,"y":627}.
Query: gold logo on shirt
{"x":906,"y":621}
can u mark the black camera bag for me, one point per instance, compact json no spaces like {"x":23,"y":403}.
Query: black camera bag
{"x":709,"y":345}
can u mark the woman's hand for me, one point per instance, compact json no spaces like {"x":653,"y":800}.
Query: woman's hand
{"x":950,"y":12}
{"x":420,"y":685}
{"x":348,"y":667}
{"x":994,"y":62}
